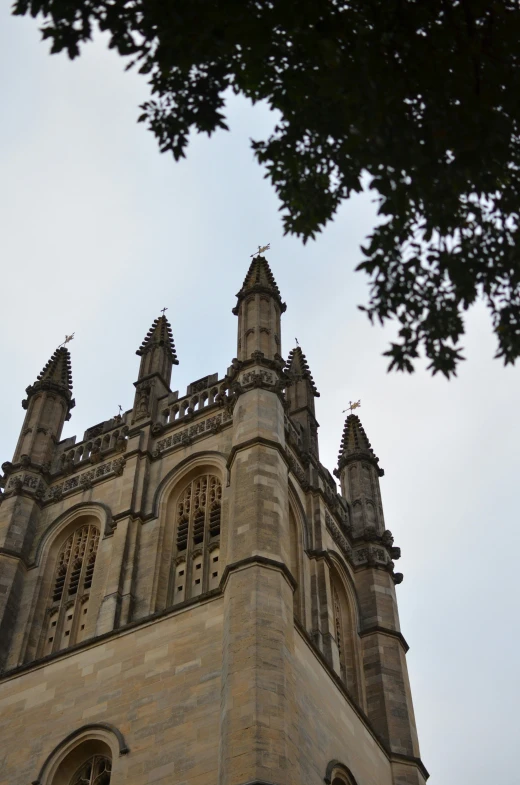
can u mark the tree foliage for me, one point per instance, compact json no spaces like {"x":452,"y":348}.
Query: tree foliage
{"x":417,"y":100}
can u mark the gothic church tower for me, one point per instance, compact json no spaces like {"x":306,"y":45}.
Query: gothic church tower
{"x":185,"y":597}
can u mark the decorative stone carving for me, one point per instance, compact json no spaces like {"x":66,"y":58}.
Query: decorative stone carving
{"x":143,"y":399}
{"x":118,"y":466}
{"x":7,"y":467}
{"x":95,"y":454}
{"x":337,"y":536}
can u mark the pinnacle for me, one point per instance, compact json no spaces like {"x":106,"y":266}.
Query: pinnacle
{"x":159,"y":334}
{"x":355,"y":442}
{"x":260,"y":278}
{"x":298,"y":367}
{"x":58,"y":370}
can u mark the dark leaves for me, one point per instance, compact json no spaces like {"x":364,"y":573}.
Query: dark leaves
{"x":407,"y":93}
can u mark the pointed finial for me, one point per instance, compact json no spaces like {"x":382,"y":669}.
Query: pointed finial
{"x":56,"y":375}
{"x":159,"y":334}
{"x":355,"y":444}
{"x":298,"y":368}
{"x":259,"y":278}
{"x":261,"y":249}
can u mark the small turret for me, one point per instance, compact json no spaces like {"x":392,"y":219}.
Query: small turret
{"x":259,"y":309}
{"x":301,"y":392}
{"x":359,"y":472}
{"x":48,"y":404}
{"x":158,"y":355}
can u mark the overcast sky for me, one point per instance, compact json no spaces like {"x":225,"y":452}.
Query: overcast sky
{"x":99,"y":231}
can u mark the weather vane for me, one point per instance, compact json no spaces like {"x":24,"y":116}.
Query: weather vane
{"x":68,"y":338}
{"x":352,"y":406}
{"x":261,"y":249}
{"x":163,"y":311}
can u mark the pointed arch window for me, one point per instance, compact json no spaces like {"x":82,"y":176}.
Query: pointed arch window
{"x":70,"y":593}
{"x":339,"y":632}
{"x":196,"y":559}
{"x":345,"y":632}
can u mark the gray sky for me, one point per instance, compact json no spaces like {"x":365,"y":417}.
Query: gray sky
{"x":100,"y":231}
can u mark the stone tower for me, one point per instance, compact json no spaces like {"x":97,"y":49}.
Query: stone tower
{"x":185,"y":597}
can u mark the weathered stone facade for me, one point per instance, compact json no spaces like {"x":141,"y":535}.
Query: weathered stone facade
{"x":185,"y":598}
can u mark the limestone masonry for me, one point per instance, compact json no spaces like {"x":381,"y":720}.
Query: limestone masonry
{"x":185,"y":598}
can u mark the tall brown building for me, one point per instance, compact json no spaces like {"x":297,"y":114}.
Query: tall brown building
{"x":185,"y":598}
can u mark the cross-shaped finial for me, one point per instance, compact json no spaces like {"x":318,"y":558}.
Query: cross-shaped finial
{"x":120,"y":408}
{"x":163,"y":311}
{"x":297,"y":342}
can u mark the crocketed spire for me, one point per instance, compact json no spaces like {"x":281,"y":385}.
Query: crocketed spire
{"x":56,"y":374}
{"x":159,"y":335}
{"x":355,"y":444}
{"x":298,"y":368}
{"x":259,"y":278}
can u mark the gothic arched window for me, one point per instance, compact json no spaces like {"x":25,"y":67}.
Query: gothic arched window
{"x":70,"y":593}
{"x":295,"y":563}
{"x":197,"y":536}
{"x":345,"y":633}
{"x":338,"y":631}
{"x":95,"y":771}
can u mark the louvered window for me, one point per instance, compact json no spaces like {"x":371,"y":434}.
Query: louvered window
{"x":67,"y":614}
{"x":196,"y":559}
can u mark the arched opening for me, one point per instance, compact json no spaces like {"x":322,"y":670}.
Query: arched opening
{"x":89,"y":763}
{"x":68,"y":604}
{"x":345,"y":633}
{"x":295,"y":565}
{"x":195,"y":556}
{"x":338,"y":774}
{"x":85,"y":757}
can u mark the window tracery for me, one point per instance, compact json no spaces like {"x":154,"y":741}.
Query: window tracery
{"x":198,"y":519}
{"x":67,"y":614}
{"x":96,"y":771}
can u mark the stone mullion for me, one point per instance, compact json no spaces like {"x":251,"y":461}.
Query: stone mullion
{"x":80,"y":590}
{"x":190,"y":549}
{"x":79,"y":593}
{"x":64,"y":595}
{"x":205,"y":545}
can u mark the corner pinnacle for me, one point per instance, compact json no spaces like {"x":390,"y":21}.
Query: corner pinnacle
{"x":298,"y":367}
{"x":259,"y":278}
{"x":355,"y":444}
{"x":159,"y":335}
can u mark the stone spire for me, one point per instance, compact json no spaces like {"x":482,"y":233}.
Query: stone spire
{"x":301,"y":392}
{"x":359,"y":472}
{"x":157,"y":351}
{"x":355,"y":444}
{"x":259,"y":278}
{"x":259,"y":309}
{"x":56,"y":375}
{"x":48,"y":404}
